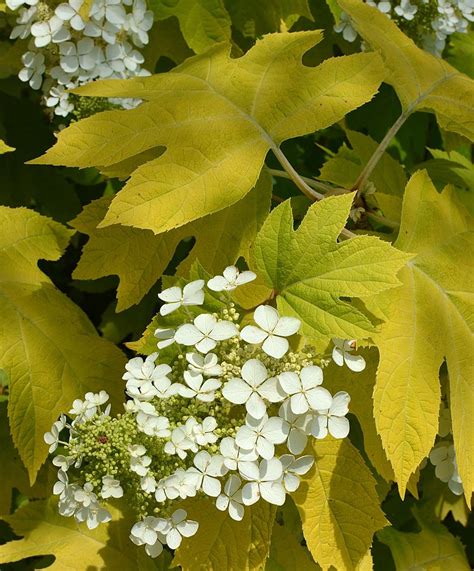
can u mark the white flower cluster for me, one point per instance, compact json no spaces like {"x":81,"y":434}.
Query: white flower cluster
{"x":443,"y":456}
{"x":78,"y":43}
{"x":256,"y":408}
{"x":446,"y":18}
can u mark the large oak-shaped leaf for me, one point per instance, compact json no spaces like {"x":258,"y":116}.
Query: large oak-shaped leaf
{"x":48,"y":347}
{"x":427,"y":320}
{"x":422,"y":81}
{"x":217,"y":117}
{"x":310,"y":271}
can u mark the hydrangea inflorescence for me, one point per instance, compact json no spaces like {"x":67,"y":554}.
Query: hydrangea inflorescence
{"x":224,"y":409}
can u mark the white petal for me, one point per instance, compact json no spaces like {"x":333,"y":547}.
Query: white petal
{"x":266,"y":316}
{"x":296,"y":441}
{"x":205,"y":322}
{"x":265,"y":448}
{"x":291,"y":482}
{"x":211,"y":486}
{"x":170,"y":295}
{"x":275,"y":346}
{"x":256,"y":406}
{"x":246,"y":438}
{"x":193,"y":290}
{"x":222,"y":501}
{"x":224,"y":330}
{"x":169,"y":307}
{"x":245,"y":277}
{"x":217,"y":283}
{"x":302,"y":465}
{"x":271,"y":390}
{"x":273,"y":493}
{"x":340,"y":404}
{"x":173,"y":539}
{"x":319,"y":427}
{"x":311,"y":376}
{"x":254,"y":372}
{"x":205,"y":345}
{"x":250,"y":493}
{"x":252,"y":334}
{"x":236,"y":511}
{"x":299,"y":403}
{"x":287,"y":326}
{"x":188,"y":335}
{"x":236,"y":391}
{"x":338,"y":356}
{"x":355,"y":363}
{"x":289,"y":382}
{"x":249,"y":470}
{"x":231,"y":273}
{"x":270,"y":469}
{"x":275,"y":430}
{"x":319,"y":398}
{"x":338,"y":426}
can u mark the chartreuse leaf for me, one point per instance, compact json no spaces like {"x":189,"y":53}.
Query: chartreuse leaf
{"x":139,"y":257}
{"x":423,"y":82}
{"x":222,"y":543}
{"x":254,"y":19}
{"x":461,"y":52}
{"x":48,"y":347}
{"x":45,"y":532}
{"x":4,"y":148}
{"x":339,"y":507}
{"x":202,"y":22}
{"x":427,"y":320}
{"x":431,"y":549}
{"x":287,"y":553}
{"x":310,"y":271}
{"x":218,"y":117}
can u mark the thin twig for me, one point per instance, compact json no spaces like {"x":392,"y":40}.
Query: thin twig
{"x":309,"y":181}
{"x":382,"y":220}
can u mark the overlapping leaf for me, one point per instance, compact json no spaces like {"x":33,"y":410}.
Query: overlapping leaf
{"x":421,"y":80}
{"x":139,"y":257}
{"x":339,"y":507}
{"x":287,"y":553}
{"x":431,"y":549}
{"x":311,"y":272}
{"x":74,"y":547}
{"x":218,"y":117}
{"x":222,"y":543}
{"x":48,"y":347}
{"x":427,"y":320}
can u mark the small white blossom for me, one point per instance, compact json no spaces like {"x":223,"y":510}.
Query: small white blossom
{"x":180,"y":527}
{"x":93,"y":514}
{"x":234,"y":455}
{"x":61,"y":485}
{"x":52,"y":30}
{"x":111,"y":488}
{"x":253,"y":388}
{"x":151,"y":423}
{"x":342,"y":354}
{"x":333,"y":419}
{"x":181,"y":484}
{"x":165,"y":336}
{"x":23,"y":24}
{"x":182,"y":440}
{"x":293,"y":468}
{"x":265,"y":480}
{"x":111,"y":10}
{"x":139,"y":22}
{"x":261,"y":435}
{"x":230,"y":279}
{"x":139,"y":462}
{"x":175,"y":297}
{"x":148,"y":484}
{"x":272,"y":331}
{"x":299,"y":428}
{"x":203,"y":433}
{"x":149,"y":531}
{"x":52,"y":437}
{"x":406,"y":10}
{"x":33,"y":69}
{"x":85,"y":495}
{"x":207,"y":469}
{"x":304,"y":389}
{"x":205,"y":333}
{"x":70,"y":12}
{"x":197,"y":387}
{"x":345,"y":26}
{"x":231,"y":498}
{"x":63,"y":462}
{"x":442,"y":457}
{"x":206,"y":365}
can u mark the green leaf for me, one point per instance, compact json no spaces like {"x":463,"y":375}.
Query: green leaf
{"x":422,"y":81}
{"x":218,"y":118}
{"x":287,"y":553}
{"x":431,"y":549}
{"x":74,"y":547}
{"x":139,"y":257}
{"x":427,"y":320}
{"x":339,"y":507}
{"x":222,"y":543}
{"x":311,"y":271}
{"x":461,"y":52}
{"x":202,"y":22}
{"x":48,"y":347}
{"x":253,"y":19}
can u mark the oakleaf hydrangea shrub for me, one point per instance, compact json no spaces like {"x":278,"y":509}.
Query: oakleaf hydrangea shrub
{"x":224,"y":408}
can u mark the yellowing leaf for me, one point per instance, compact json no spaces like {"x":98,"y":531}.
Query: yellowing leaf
{"x":431,"y":549}
{"x":202,"y":22}
{"x":422,"y":81}
{"x":339,"y":507}
{"x":4,"y":148}
{"x":222,"y":543}
{"x":257,"y":18}
{"x":48,"y":347}
{"x":139,"y":257}
{"x":427,"y":320}
{"x":218,"y":117}
{"x":287,"y":553}
{"x":311,"y":272}
{"x":45,"y":532}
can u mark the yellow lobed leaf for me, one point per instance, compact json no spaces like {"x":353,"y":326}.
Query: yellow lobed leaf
{"x":75,"y":547}
{"x":139,"y":257}
{"x":431,"y":549}
{"x":49,"y":349}
{"x":222,"y":543}
{"x":339,"y":507}
{"x":427,"y":320}
{"x":422,"y":81}
{"x":218,"y":117}
{"x":4,"y":148}
{"x":287,"y":553}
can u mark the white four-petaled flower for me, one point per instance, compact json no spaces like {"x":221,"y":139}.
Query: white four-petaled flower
{"x":342,"y":354}
{"x":306,"y":394}
{"x":175,"y":297}
{"x":205,"y":332}
{"x":230,"y":279}
{"x":272,"y":331}
{"x":197,"y":387}
{"x":333,"y":419}
{"x":261,"y":435}
{"x":180,"y":527}
{"x":231,"y":498}
{"x":207,"y":469}
{"x":265,"y":480}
